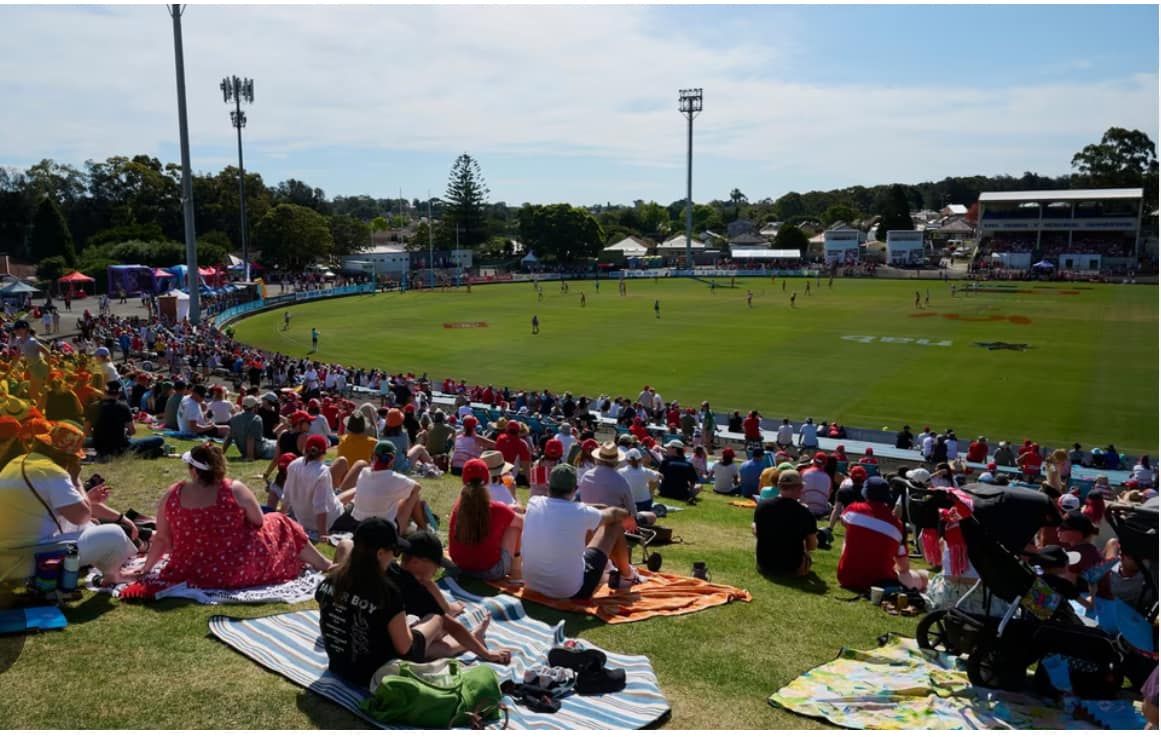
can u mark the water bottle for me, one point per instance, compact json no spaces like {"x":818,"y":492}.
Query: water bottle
{"x":70,"y":569}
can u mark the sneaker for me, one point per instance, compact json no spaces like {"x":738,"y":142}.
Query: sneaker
{"x":600,"y":681}
{"x":576,"y":658}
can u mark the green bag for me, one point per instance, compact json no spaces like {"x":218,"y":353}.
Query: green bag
{"x":436,"y":700}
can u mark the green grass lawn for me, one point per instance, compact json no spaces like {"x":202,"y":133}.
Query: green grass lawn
{"x":153,"y":666}
{"x":1090,"y":374}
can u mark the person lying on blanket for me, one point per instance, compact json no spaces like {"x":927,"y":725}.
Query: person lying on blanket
{"x":216,"y":535}
{"x":567,"y":544}
{"x":363,"y":616}
{"x":875,"y":546}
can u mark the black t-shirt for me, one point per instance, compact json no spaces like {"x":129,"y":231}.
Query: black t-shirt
{"x":354,"y":629}
{"x":108,"y":418}
{"x":416,"y":599}
{"x":903,"y":439}
{"x":288,"y":442}
{"x":676,"y":476}
{"x":270,"y":421}
{"x":782,"y":525}
{"x":402,"y":393}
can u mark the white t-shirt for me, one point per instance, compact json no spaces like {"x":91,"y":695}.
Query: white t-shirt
{"x":379,"y":493}
{"x":553,"y":544}
{"x":952,"y":449}
{"x":638,"y":479}
{"x":109,"y":371}
{"x":221,"y":411}
{"x":928,"y":445}
{"x":786,"y":434}
{"x":566,"y":442}
{"x":808,"y":435}
{"x":189,"y":412}
{"x":308,"y":492}
{"x":319,"y":426}
{"x":725,"y":477}
{"x":816,"y":490}
{"x":500,"y":493}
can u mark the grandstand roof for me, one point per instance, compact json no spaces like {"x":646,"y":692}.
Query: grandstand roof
{"x":1066,"y":195}
{"x":745,"y":253}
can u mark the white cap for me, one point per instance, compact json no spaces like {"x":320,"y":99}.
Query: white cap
{"x":1069,"y":502}
{"x":919,"y":475}
{"x":633,"y":455}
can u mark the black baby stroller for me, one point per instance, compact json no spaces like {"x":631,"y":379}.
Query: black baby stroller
{"x":1012,"y":516}
{"x":1136,"y":528}
{"x":1037,"y":623}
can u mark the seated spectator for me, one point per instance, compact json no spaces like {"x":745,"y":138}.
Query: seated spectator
{"x":46,"y":506}
{"x":60,"y":401}
{"x":538,"y":480}
{"x":1126,"y":580}
{"x":725,"y":474}
{"x":246,"y":431}
{"x":679,"y":480}
{"x":816,"y":486}
{"x":109,"y":425}
{"x":1004,"y":455}
{"x":468,"y":444}
{"x":840,"y":454}
{"x":382,"y":492}
{"x":752,"y":427}
{"x":501,"y":485}
{"x":875,"y":546}
{"x":849,"y":492}
{"x":216,"y":536}
{"x":357,"y":444}
{"x":750,"y":474}
{"x":978,"y":450}
{"x":565,"y":437}
{"x":1144,"y":472}
{"x":361,"y":611}
{"x":515,"y":451}
{"x":1055,"y":563}
{"x":309,"y":494}
{"x":409,"y":455}
{"x":700,"y":463}
{"x":603,"y":486}
{"x":484,"y":534}
{"x":1076,"y":455}
{"x":192,"y":419}
{"x":219,"y":410}
{"x":869,"y":458}
{"x":785,"y":530}
{"x":904,"y":438}
{"x":439,"y":439}
{"x":642,"y":481}
{"x":1076,"y":534}
{"x":566,"y":544}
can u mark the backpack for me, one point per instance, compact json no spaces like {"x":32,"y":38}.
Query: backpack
{"x":436,"y":698}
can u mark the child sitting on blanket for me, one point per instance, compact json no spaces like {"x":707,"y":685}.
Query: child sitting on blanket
{"x":363,"y":607}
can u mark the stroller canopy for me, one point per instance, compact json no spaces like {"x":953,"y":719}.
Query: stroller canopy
{"x":1010,"y":514}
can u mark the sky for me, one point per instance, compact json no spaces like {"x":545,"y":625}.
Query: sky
{"x":579,"y":103}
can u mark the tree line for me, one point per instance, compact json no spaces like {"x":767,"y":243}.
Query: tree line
{"x":123,"y":208}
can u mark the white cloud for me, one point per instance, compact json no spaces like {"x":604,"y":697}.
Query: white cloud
{"x":496,"y":81}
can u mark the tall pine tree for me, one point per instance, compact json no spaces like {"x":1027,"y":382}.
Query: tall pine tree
{"x":50,"y":234}
{"x":466,"y":196}
{"x":895,"y":213}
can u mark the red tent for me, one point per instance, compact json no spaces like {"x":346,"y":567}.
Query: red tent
{"x":75,"y":282}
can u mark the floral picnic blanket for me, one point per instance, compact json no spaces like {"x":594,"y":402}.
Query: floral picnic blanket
{"x":900,"y":686}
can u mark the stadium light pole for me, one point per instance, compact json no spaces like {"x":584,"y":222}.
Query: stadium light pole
{"x":240,"y":90}
{"x":430,"y":245}
{"x":191,"y":249}
{"x":689,"y":103}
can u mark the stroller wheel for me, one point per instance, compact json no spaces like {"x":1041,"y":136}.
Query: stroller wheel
{"x":653,"y":562}
{"x":932,"y":633}
{"x":989,"y":668}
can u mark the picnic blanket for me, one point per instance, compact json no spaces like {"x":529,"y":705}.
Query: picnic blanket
{"x":662,"y":595}
{"x":744,"y":503}
{"x":290,"y":645}
{"x":900,"y":686}
{"x":291,"y":592}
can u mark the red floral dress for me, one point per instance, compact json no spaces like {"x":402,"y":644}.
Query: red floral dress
{"x":217,"y":548}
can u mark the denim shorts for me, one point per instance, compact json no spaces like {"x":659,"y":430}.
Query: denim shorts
{"x":502,"y":568}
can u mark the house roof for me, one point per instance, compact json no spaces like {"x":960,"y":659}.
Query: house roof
{"x":766,"y":253}
{"x":956,"y":225}
{"x":748,"y":239}
{"x":677,"y":242}
{"x":841,"y":225}
{"x":1067,"y":195}
{"x":379,"y":250}
{"x":630,"y":246}
{"x":957,"y":209}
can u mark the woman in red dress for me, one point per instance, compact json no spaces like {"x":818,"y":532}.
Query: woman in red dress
{"x":217,"y":537}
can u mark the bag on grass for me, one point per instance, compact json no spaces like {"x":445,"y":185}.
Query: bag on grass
{"x":436,"y":699}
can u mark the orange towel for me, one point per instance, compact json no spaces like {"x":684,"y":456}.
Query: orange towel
{"x":744,"y":503}
{"x":662,"y":595}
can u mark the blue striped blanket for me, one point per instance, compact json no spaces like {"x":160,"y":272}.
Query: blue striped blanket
{"x":289,"y":644}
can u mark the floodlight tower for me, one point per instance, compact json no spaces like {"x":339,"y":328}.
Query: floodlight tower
{"x":239,"y":91}
{"x":187,"y":201}
{"x":689,"y":103}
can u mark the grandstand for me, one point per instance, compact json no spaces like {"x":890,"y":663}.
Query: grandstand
{"x":1081,"y":230}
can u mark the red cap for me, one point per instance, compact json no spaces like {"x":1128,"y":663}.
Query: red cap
{"x":590,"y":444}
{"x":858,"y":473}
{"x":820,"y":458}
{"x":840,"y":448}
{"x":513,"y":426}
{"x":869,"y":452}
{"x":285,"y":460}
{"x":471,"y":421}
{"x":727,"y":454}
{"x":316,"y":442}
{"x":649,"y":442}
{"x":992,"y":466}
{"x":298,"y":417}
{"x":553,"y":449}
{"x":409,"y":408}
{"x":475,"y":470}
{"x":9,"y":427}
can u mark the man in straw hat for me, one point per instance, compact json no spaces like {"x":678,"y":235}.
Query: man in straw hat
{"x":44,"y":505}
{"x":603,"y":486}
{"x":566,"y":545}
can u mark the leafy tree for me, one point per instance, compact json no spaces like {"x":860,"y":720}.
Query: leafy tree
{"x":295,"y":192}
{"x":419,"y":240}
{"x":835,"y":213}
{"x":789,"y":205}
{"x":50,"y":234}
{"x":1122,"y":158}
{"x":52,"y":268}
{"x":560,"y":232}
{"x":791,"y":238}
{"x":122,"y":233}
{"x":737,"y":198}
{"x":378,"y":224}
{"x":350,"y":234}
{"x":292,"y":236}
{"x":895,"y":213}
{"x":466,"y":196}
